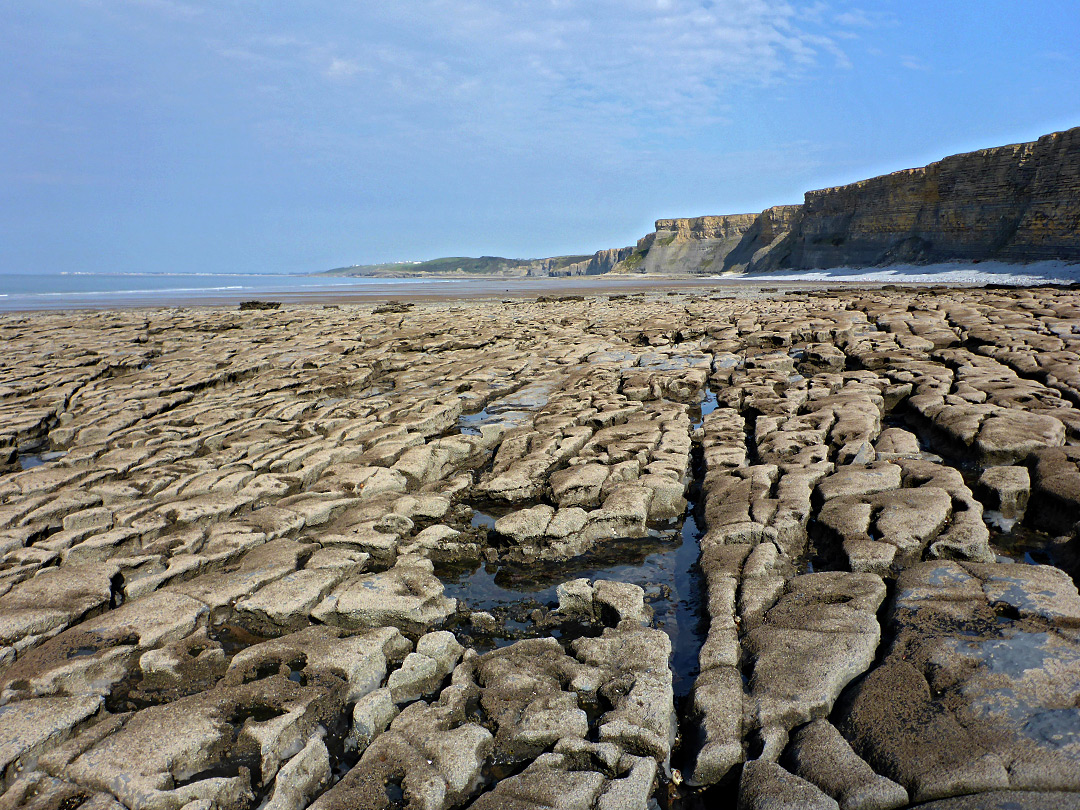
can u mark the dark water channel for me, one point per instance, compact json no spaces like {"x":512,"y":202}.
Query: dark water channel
{"x":522,"y":601}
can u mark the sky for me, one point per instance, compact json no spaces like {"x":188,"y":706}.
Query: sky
{"x":273,"y":136}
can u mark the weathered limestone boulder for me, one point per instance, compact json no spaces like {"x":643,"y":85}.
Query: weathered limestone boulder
{"x":638,"y":686}
{"x":624,"y":514}
{"x":824,"y":357}
{"x":821,"y":755}
{"x":1055,"y":496}
{"x":576,"y":598}
{"x":549,"y":781}
{"x":993,"y":434}
{"x":896,"y":443}
{"x":966,"y":536}
{"x":1005,"y":492}
{"x":1008,"y":800}
{"x":522,"y":691}
{"x":579,"y":485}
{"x":301,"y":778}
{"x":933,"y":513}
{"x":1012,"y":436}
{"x":431,"y":753}
{"x":186,"y":666}
{"x":286,"y":604}
{"x":408,"y":596}
{"x":767,"y":786}
{"x":860,"y":479}
{"x":319,"y":653}
{"x":619,"y":601}
{"x":144,"y":768}
{"x":423,"y":671}
{"x":666,"y":500}
{"x":28,"y":728}
{"x":526,"y":526}
{"x":220,"y":590}
{"x":718,"y":711}
{"x":370,"y":717}
{"x":887,"y":530}
{"x":43,"y":605}
{"x":93,"y":656}
{"x":432,"y":507}
{"x":607,"y":601}
{"x":441,"y":543}
{"x":820,"y":635}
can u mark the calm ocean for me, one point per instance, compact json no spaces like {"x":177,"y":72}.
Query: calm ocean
{"x":73,"y":290}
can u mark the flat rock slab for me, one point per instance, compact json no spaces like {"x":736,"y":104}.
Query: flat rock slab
{"x":408,"y":596}
{"x":978,"y":691}
{"x":821,"y":634}
{"x":27,"y":727}
{"x":1008,"y":800}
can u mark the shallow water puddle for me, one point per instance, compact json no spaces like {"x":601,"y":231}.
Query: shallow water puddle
{"x":658,"y":361}
{"x":705,"y":407}
{"x":1022,"y":544}
{"x":665,"y":570}
{"x":29,"y":461}
{"x":512,"y":410}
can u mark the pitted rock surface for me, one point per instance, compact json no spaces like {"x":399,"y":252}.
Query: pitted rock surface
{"x":414,"y":556}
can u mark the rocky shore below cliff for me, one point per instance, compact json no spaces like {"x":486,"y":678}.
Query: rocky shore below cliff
{"x":650,"y":550}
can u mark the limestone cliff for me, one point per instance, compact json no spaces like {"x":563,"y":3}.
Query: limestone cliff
{"x":707,"y":245}
{"x":1014,"y":203}
{"x":603,"y":261}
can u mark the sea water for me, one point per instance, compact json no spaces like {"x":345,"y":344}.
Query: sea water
{"x":75,"y":289}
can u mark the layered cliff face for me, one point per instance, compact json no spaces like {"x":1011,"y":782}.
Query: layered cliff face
{"x":603,"y":261}
{"x":1014,"y":203}
{"x":707,"y":245}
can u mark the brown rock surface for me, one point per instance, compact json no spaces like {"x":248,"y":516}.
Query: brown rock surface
{"x":443,"y":555}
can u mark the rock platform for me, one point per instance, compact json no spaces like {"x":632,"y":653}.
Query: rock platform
{"x":659,"y":551}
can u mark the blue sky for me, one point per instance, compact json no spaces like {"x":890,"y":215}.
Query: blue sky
{"x":169,"y":135}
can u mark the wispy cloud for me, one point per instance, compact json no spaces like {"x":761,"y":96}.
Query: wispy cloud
{"x":674,"y":59}
{"x":855,"y":18}
{"x":342,"y":68}
{"x":913,"y":63}
{"x":169,"y":8}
